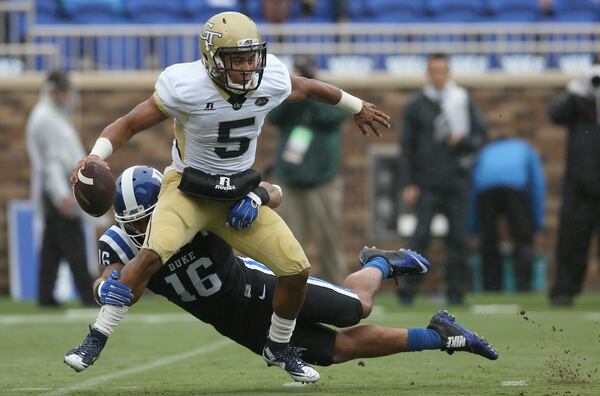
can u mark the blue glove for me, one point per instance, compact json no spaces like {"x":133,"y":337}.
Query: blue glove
{"x":113,"y":292}
{"x":244,"y":212}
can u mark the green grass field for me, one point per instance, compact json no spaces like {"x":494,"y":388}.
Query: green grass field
{"x":159,"y":351}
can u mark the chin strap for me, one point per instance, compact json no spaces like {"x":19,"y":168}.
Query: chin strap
{"x":239,"y":88}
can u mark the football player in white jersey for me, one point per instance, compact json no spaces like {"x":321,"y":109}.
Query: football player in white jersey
{"x":218,"y":105}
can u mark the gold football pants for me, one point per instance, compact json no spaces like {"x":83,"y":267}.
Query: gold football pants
{"x":178,"y":217}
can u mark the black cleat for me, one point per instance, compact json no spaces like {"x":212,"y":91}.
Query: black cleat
{"x":87,"y":352}
{"x":403,"y":262}
{"x":288,"y":358}
{"x":457,"y":338}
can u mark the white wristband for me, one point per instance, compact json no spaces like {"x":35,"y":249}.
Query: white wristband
{"x":350,"y":103}
{"x":103,"y":148}
{"x":255,"y":198}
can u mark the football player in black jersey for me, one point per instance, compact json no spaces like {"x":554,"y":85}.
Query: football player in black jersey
{"x":234,"y":294}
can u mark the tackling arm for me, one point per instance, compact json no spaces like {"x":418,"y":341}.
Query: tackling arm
{"x":105,"y":275}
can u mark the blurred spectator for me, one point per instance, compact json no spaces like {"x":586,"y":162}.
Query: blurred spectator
{"x":276,"y":11}
{"x":308,"y":166}
{"x":546,"y":7}
{"x":577,"y":109}
{"x":340,"y":10}
{"x":54,"y":149}
{"x":508,"y":180}
{"x":307,"y":8}
{"x":442,"y":131}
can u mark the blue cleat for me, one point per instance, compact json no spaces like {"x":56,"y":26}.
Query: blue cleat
{"x":403,"y":262}
{"x":87,"y":352}
{"x":456,"y":338}
{"x":288,"y":358}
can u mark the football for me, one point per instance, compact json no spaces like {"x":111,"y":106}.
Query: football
{"x":94,"y":189}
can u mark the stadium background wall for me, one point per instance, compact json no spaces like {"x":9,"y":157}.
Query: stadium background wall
{"x":514,"y":105}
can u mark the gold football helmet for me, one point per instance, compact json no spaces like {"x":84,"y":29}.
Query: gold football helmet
{"x":224,"y":36}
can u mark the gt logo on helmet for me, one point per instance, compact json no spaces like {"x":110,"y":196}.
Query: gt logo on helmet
{"x":208,"y":35}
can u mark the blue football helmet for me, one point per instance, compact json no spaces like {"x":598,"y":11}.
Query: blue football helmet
{"x":136,"y":197}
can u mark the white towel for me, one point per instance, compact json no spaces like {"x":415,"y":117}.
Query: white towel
{"x":583,"y":86}
{"x":454,"y":119}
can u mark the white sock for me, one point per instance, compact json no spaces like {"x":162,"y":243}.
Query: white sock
{"x":281,"y":329}
{"x":109,"y":317}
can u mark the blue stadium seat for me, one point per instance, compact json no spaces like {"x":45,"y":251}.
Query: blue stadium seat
{"x":457,"y":10}
{"x":48,"y":12}
{"x":324,"y":10}
{"x":356,"y":9}
{"x":155,"y":11}
{"x":390,"y":11}
{"x":92,"y":11}
{"x":252,"y":8}
{"x":69,"y":51}
{"x":575,"y":10}
{"x":514,"y":10}
{"x":200,"y":11}
{"x":117,"y":53}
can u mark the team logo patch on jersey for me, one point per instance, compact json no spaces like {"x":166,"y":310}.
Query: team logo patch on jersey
{"x":263,"y":100}
{"x":237,"y":106}
{"x":225,"y":184}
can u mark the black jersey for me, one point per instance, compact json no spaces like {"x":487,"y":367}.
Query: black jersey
{"x":202,"y":277}
{"x":234,"y":294}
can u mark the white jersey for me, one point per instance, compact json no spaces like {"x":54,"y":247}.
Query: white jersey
{"x":210,"y":134}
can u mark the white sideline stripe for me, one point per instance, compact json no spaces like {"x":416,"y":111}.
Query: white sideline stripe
{"x":592,"y":316}
{"x":29,"y":389}
{"x":135,"y":370}
{"x":84,"y":316}
{"x":489,"y":309}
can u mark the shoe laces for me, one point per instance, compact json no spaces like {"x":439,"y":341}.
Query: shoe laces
{"x":292,"y":356}
{"x":92,"y":344}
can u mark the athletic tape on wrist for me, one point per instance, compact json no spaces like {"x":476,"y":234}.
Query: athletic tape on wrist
{"x":350,"y":103}
{"x":103,"y":148}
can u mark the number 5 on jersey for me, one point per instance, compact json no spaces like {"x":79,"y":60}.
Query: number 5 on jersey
{"x":225,"y":128}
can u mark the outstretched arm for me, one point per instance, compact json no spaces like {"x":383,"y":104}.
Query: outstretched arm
{"x":142,"y":117}
{"x":366,"y":116}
